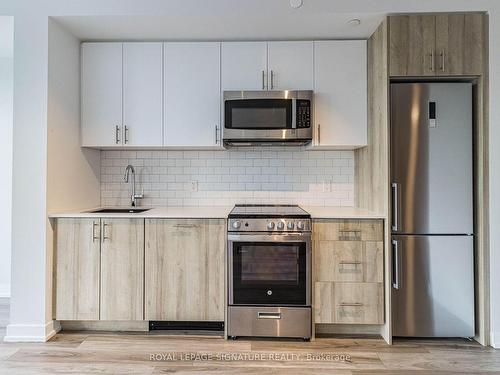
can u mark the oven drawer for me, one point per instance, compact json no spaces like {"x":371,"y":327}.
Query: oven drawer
{"x":267,"y":321}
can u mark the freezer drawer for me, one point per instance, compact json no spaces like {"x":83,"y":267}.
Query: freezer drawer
{"x":433,"y":286}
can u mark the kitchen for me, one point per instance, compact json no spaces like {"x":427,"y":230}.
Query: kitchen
{"x":248,"y":189}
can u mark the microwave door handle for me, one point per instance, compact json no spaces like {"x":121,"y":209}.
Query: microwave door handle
{"x":294,"y":113}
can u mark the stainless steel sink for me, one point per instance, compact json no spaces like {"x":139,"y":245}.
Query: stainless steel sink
{"x":119,"y":210}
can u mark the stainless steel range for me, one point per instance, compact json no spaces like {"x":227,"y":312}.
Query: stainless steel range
{"x":269,"y":271}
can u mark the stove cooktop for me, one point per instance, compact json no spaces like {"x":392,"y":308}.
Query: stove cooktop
{"x":268,"y":211}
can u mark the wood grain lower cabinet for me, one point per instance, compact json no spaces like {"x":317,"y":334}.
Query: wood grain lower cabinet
{"x":348,"y":272}
{"x":77,"y":269}
{"x":184,"y":269}
{"x":122,"y":269}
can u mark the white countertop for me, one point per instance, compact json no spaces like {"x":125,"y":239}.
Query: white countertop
{"x":217,"y":212}
{"x":211,"y":212}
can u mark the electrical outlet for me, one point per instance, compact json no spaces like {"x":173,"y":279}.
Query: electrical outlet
{"x":327,"y":186}
{"x":194,"y":186}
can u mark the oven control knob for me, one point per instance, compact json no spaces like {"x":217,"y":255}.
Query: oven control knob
{"x":236,"y":224}
{"x":270,"y":225}
{"x":290,"y":225}
{"x":281,"y":225}
{"x":300,"y":225}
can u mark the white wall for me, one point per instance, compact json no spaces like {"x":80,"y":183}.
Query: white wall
{"x":73,"y":173}
{"x":30,"y":292}
{"x":6,"y":123}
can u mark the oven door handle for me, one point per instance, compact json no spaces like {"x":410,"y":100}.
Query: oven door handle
{"x":285,"y":237}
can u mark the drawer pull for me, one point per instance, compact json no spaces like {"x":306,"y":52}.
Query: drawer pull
{"x":268,"y":315}
{"x":354,"y":262}
{"x":351,"y":304}
{"x":350,"y":235}
{"x":185,"y":226}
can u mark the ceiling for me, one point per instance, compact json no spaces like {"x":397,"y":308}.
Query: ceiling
{"x":197,"y":27}
{"x":232,"y":19}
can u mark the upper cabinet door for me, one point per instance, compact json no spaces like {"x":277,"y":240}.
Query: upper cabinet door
{"x":340,"y":94}
{"x":192,"y":94}
{"x":290,"y":65}
{"x":412,"y":45}
{"x":244,"y":66}
{"x":460,"y":44}
{"x":142,"y":94}
{"x":101,"y":94}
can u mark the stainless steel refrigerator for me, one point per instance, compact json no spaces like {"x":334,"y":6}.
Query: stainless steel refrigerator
{"x":432,"y":209}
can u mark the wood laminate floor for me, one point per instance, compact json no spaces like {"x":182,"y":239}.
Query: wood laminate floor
{"x":157,"y":353}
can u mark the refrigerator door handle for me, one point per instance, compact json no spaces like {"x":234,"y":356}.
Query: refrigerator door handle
{"x":395,"y":262}
{"x":395,"y":208}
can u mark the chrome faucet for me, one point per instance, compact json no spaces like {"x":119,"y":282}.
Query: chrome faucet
{"x":133,"y":196}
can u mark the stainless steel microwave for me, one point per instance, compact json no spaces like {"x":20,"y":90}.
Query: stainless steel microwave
{"x":267,"y":117}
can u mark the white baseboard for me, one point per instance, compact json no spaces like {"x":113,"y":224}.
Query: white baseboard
{"x":31,"y":332}
{"x":495,"y":340}
{"x":4,"y":290}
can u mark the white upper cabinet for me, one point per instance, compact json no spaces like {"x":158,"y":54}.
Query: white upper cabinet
{"x":244,"y":65}
{"x":101,"y":94}
{"x":340,"y":94}
{"x":169,"y":94}
{"x":142,"y":94}
{"x":290,"y":65}
{"x":122,"y":94}
{"x":192,"y":94}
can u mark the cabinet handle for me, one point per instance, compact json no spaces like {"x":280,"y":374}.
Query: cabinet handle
{"x":117,"y":134}
{"x":350,"y":304}
{"x":319,"y":134}
{"x":216,"y":135}
{"x":104,"y":236}
{"x":442,"y":60}
{"x":272,"y":80}
{"x":94,"y":237}
{"x":263,"y":80}
{"x":432,"y":64}
{"x":126,"y":135}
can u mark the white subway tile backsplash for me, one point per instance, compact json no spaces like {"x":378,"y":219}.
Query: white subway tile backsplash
{"x":264,"y":176}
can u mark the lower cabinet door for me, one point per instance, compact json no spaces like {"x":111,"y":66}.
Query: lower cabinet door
{"x":122,"y":269}
{"x":185,"y":269}
{"x":77,"y":269}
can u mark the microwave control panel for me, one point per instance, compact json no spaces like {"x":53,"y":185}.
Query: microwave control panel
{"x":303,"y":113}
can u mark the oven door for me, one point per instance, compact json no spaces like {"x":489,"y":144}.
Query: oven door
{"x":271,"y":270}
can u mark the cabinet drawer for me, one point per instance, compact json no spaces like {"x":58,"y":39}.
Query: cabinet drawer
{"x":358,"y":303}
{"x":348,"y":230}
{"x":349,"y":261}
